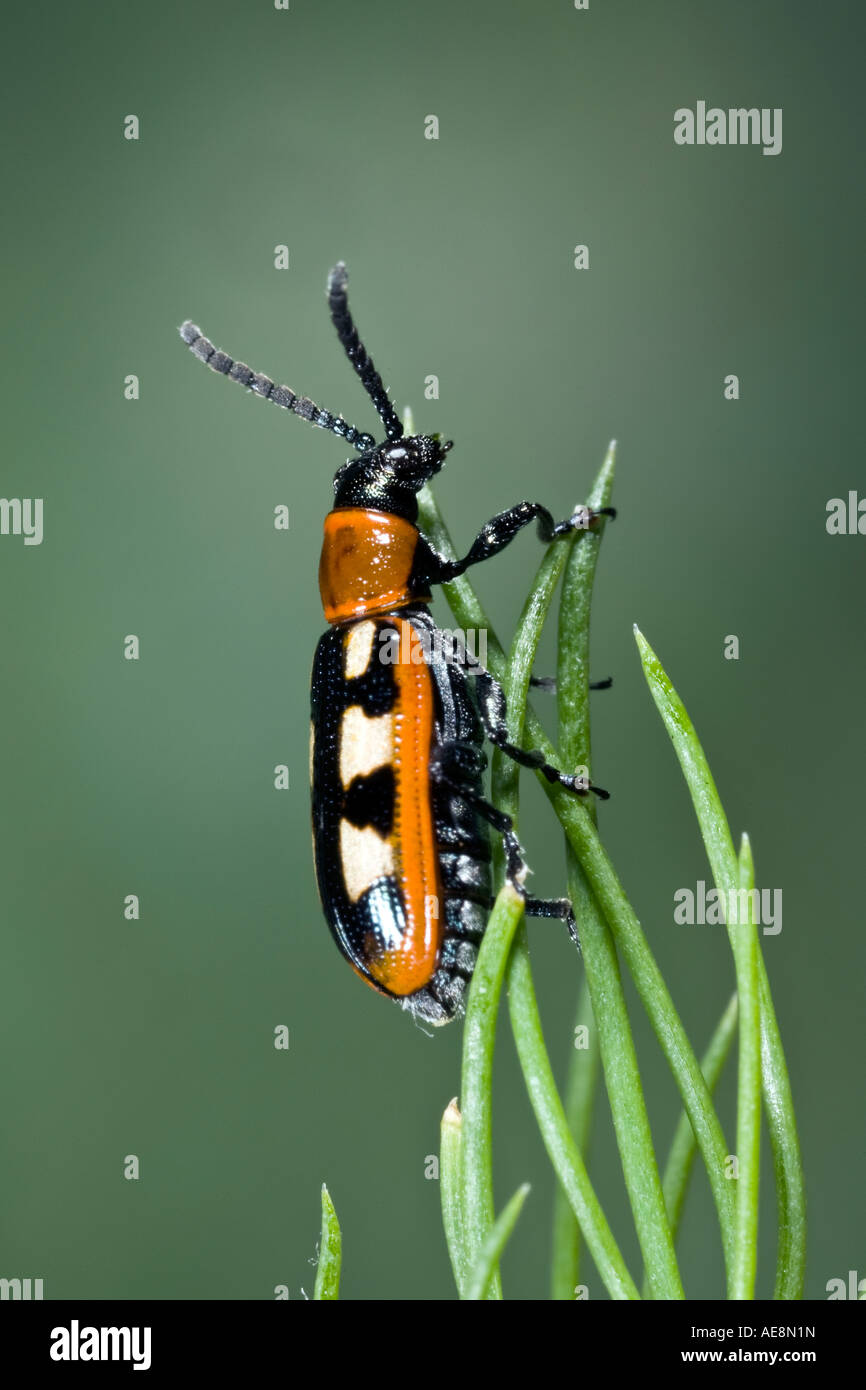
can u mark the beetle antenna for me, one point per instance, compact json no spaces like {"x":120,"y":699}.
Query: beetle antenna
{"x":262,"y":385}
{"x":338,"y":303}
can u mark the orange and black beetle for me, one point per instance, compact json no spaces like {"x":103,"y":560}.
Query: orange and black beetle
{"x":396,"y":760}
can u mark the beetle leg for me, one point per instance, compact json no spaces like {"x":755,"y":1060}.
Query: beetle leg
{"x":560,"y":908}
{"x":491,"y":705}
{"x":548,"y":684}
{"x":515,"y":864}
{"x":453,"y":765}
{"x":500,"y":531}
{"x":458,"y":762}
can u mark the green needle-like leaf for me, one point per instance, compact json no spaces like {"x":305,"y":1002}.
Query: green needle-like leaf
{"x":654,"y":993}
{"x":579,"y":1096}
{"x":550,"y":1116}
{"x":330,"y":1252}
{"x":493,"y":1245}
{"x":745,"y":944}
{"x":450,"y":1190}
{"x":572,"y":688}
{"x":762,"y":1060}
{"x":787,"y":1162}
{"x":683,"y":1148}
{"x":479,"y":1036}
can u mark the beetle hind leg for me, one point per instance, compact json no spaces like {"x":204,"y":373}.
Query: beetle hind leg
{"x":548,"y":684}
{"x":560,"y":908}
{"x":516,"y":868}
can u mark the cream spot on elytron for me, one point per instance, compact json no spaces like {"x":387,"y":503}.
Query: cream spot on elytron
{"x":366,"y":743}
{"x":358,"y":649}
{"x":365,"y":856}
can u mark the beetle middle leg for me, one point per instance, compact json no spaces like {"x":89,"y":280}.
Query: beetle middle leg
{"x":457,"y":765}
{"x":491,"y":707}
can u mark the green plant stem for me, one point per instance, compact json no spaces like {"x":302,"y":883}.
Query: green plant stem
{"x":787,"y":1162}
{"x":625,"y":1096}
{"x":683,"y":1147}
{"x":483,"y":1003}
{"x":609,"y":894}
{"x":493,"y":1245}
{"x":450,"y":1190}
{"x":744,"y":939}
{"x":327,"y":1284}
{"x":572,"y":689}
{"x":681,"y":1157}
{"x":479,"y":1034}
{"x":558,"y":1140}
{"x":579,"y":1096}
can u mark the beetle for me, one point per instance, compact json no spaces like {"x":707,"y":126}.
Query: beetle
{"x":399,"y":715}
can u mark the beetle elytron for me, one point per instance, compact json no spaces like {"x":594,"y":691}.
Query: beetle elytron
{"x":402,"y":852}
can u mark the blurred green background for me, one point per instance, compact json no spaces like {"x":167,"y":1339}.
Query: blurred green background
{"x":306,"y":128}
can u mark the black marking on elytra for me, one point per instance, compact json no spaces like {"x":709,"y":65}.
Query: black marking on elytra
{"x":370,"y":801}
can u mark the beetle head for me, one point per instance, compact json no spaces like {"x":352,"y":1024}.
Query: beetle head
{"x":389,"y":477}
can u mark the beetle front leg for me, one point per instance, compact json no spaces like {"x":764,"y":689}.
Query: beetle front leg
{"x":501,"y":530}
